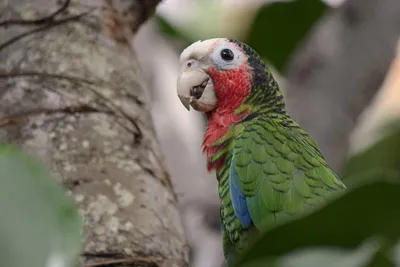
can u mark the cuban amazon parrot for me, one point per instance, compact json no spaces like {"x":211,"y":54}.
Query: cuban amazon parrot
{"x":268,"y":169}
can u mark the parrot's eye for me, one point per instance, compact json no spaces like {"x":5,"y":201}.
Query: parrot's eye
{"x":227,"y":54}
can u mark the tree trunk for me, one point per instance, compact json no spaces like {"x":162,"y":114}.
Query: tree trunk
{"x":75,"y":99}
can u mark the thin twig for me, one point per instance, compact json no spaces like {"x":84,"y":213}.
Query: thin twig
{"x":43,"y":74}
{"x":124,"y":261}
{"x":45,"y":27}
{"x":69,"y":109}
{"x":46,"y":19}
{"x":7,"y":121}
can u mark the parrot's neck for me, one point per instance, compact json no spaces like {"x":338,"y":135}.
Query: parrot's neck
{"x":241,"y":96}
{"x":231,"y":88}
{"x":218,"y":124}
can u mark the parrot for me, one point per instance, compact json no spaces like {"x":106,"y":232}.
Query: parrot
{"x":268,"y":169}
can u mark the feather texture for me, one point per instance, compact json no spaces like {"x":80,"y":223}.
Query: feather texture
{"x":275,"y":172}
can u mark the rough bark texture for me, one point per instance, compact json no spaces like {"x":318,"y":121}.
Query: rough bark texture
{"x":73,"y":98}
{"x":336,"y":72}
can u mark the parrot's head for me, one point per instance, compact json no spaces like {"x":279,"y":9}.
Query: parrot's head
{"x":222,"y":74}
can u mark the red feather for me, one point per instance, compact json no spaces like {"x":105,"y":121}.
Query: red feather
{"x":231,"y":88}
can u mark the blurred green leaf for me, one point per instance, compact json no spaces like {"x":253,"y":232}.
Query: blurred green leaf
{"x":172,"y":32}
{"x":278,"y":28}
{"x":369,"y":209}
{"x":204,"y":22}
{"x":325,"y":256}
{"x":384,"y":156}
{"x":39,"y":225}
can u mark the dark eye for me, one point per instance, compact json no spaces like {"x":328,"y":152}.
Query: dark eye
{"x":227,"y":54}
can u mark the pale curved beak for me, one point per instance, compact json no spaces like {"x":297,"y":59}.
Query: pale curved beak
{"x":185,"y":101}
{"x":195,"y":88}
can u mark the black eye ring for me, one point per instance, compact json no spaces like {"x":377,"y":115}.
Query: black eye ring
{"x":227,"y":54}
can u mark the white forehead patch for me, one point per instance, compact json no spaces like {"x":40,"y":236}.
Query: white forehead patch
{"x":212,"y":48}
{"x":199,"y":49}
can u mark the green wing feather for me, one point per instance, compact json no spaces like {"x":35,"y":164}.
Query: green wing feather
{"x":281,"y":171}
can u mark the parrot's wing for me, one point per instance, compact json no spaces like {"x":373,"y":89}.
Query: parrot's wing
{"x":276,"y":171}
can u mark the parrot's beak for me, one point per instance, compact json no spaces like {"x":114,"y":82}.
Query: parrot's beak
{"x":195,"y":88}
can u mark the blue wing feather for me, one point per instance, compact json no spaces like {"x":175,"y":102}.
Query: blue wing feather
{"x":238,"y":199}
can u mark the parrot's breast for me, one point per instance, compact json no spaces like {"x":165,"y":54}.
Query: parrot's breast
{"x":217,"y":135}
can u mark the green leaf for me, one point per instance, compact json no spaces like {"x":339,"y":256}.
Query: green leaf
{"x":39,"y":225}
{"x":172,"y":32}
{"x":324,"y":256}
{"x":278,"y":28}
{"x":369,"y":210}
{"x":384,"y":156}
{"x":204,"y":22}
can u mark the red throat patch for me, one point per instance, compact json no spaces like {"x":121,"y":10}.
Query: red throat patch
{"x":231,"y":88}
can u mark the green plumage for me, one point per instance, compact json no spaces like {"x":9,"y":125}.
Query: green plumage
{"x":280,"y":171}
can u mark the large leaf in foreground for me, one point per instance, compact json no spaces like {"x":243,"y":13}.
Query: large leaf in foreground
{"x":39,"y":225}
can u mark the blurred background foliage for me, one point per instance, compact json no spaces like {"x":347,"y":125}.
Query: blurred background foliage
{"x":39,"y":225}
{"x":361,"y":228}
{"x":274,"y":43}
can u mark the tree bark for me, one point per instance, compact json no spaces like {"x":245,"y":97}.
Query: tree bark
{"x":337,"y":70}
{"x":75,"y":99}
